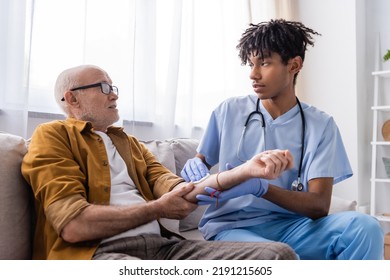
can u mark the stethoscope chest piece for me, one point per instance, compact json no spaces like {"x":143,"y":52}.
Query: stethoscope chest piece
{"x":296,"y":186}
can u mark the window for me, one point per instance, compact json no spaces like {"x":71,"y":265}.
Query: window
{"x":173,"y":60}
{"x":72,"y":32}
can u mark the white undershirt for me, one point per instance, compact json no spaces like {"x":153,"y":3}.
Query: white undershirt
{"x":123,"y":190}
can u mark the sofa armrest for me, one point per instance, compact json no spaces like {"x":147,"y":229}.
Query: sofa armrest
{"x":16,"y":209}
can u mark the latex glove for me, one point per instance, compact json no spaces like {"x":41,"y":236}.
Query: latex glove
{"x":194,"y":170}
{"x":229,"y":166}
{"x":255,"y":186}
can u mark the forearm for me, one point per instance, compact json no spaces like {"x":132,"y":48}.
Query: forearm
{"x":102,"y":221}
{"x":223,"y":180}
{"x":313,"y":204}
{"x":266,"y":165}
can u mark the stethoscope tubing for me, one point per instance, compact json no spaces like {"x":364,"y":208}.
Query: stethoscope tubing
{"x":299,"y":186}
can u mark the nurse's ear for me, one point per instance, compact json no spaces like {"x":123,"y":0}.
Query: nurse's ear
{"x":295,"y":64}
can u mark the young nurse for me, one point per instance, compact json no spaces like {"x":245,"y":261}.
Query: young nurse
{"x":292,"y":208}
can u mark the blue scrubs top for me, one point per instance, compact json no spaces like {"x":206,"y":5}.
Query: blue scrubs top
{"x":224,"y":142}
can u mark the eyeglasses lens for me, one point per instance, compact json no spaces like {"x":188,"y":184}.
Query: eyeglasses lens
{"x":107,"y":89}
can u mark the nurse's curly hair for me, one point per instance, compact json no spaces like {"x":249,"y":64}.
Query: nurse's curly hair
{"x":286,"y":38}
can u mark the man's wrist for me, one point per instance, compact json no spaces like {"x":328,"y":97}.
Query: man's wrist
{"x":155,"y":209}
{"x":241,"y":173}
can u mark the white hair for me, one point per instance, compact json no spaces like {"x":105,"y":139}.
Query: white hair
{"x":67,"y":80}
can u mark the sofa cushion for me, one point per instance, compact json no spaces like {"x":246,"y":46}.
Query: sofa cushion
{"x":183,"y":149}
{"x":192,"y":220}
{"x":173,"y":154}
{"x":339,"y":204}
{"x":15,"y":200}
{"x":163,"y":152}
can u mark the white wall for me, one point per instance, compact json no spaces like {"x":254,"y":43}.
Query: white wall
{"x":377,"y":25}
{"x":329,"y":77}
{"x":338,"y":80}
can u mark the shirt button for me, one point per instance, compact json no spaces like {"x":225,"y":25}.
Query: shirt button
{"x":105,"y":163}
{"x":106,"y":189}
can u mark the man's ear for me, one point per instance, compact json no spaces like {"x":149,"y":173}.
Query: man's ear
{"x":70,"y":98}
{"x":296,"y":64}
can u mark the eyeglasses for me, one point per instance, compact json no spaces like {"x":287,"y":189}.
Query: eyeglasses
{"x":104,"y":87}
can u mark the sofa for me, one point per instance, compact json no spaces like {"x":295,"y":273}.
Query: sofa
{"x":16,"y":203}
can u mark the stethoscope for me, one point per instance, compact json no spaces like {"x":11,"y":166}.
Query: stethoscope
{"x":297,"y":184}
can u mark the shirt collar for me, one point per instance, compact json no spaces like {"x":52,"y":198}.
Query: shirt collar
{"x":87,"y":126}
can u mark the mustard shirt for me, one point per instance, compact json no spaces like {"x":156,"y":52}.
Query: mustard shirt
{"x":67,"y":168}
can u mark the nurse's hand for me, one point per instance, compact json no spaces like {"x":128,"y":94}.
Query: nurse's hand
{"x":194,"y":170}
{"x":255,"y":186}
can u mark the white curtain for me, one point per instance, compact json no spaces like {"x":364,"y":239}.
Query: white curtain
{"x":15,"y":36}
{"x":173,"y":60}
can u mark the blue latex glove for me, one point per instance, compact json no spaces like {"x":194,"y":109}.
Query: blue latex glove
{"x":194,"y":170}
{"x":256,"y":186}
{"x":229,"y":166}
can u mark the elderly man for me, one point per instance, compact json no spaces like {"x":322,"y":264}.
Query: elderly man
{"x":99,"y":193}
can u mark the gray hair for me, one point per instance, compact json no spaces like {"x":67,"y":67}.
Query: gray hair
{"x":67,"y":80}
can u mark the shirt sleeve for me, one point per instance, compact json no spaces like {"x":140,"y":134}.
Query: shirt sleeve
{"x":209,"y":146}
{"x":54,"y":176}
{"x":330,"y":158}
